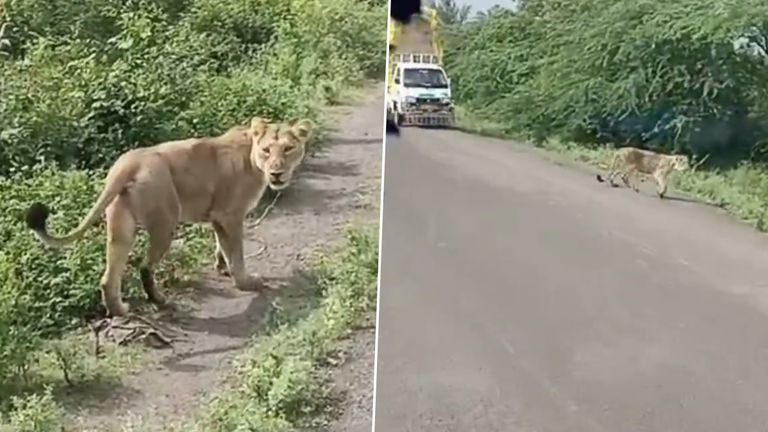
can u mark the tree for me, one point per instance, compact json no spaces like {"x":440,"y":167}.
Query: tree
{"x":450,"y":13}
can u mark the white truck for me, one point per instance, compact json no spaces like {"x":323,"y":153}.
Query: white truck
{"x":418,"y":89}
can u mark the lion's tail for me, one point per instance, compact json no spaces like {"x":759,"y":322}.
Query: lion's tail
{"x":615,"y":161}
{"x":37,"y":214}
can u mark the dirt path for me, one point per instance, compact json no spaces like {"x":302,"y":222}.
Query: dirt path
{"x":336,"y":186}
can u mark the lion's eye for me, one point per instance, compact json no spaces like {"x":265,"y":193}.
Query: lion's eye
{"x":290,"y":149}
{"x":265,"y":150}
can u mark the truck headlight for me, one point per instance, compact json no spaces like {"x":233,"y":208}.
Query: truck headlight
{"x":445,"y":101}
{"x":410,"y":99}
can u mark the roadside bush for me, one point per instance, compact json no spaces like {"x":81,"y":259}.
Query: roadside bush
{"x":102,"y":76}
{"x":33,"y":413}
{"x":689,"y":76}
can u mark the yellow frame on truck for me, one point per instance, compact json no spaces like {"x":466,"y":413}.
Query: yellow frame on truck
{"x":396,"y":31}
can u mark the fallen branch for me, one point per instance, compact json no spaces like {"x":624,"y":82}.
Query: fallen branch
{"x":124,"y":330}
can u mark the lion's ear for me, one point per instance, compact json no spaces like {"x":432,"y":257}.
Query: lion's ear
{"x":302,"y":128}
{"x":258,"y":125}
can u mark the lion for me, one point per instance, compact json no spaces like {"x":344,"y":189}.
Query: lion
{"x":215,"y":180}
{"x":631,"y":160}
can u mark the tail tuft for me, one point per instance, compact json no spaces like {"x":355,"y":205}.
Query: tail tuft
{"x":599,"y":178}
{"x":37,"y":216}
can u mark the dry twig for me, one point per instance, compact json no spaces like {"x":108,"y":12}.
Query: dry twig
{"x":124,"y":330}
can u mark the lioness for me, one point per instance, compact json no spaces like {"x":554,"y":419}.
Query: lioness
{"x":211,"y":179}
{"x":631,"y":160}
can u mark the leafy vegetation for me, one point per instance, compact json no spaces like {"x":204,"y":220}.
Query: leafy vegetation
{"x":277,"y":384}
{"x":82,"y":81}
{"x":685,"y":77}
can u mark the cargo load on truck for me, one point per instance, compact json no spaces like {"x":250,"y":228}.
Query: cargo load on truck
{"x":418,"y":89}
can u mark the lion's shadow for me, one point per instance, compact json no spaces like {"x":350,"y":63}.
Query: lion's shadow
{"x":286,"y":299}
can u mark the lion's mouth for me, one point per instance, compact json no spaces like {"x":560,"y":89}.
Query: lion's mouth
{"x":277,"y":177}
{"x":277,"y":182}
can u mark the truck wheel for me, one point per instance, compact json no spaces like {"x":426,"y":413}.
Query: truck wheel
{"x":398,"y":118}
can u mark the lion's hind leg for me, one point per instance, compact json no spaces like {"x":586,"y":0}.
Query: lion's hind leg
{"x":609,"y":178}
{"x":121,"y":232}
{"x":627,"y":176}
{"x":160,"y":238}
{"x":157,"y":206}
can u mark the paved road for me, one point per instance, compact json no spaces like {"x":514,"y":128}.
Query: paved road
{"x":521,"y":295}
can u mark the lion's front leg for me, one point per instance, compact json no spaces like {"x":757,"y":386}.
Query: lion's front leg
{"x":661,"y":183}
{"x":230,"y":237}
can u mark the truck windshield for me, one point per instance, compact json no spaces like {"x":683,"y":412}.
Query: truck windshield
{"x":430,"y":78}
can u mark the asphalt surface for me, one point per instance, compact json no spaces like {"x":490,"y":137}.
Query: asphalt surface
{"x":521,"y":295}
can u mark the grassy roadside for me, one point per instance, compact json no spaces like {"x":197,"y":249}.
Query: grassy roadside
{"x":741,"y":191}
{"x":278,"y":382}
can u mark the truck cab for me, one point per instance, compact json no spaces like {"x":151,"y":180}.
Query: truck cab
{"x":421,"y":92}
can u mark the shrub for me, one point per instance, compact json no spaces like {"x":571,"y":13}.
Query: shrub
{"x":684,"y":77}
{"x":102,"y":76}
{"x":33,"y":413}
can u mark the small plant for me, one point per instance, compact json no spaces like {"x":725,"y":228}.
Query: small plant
{"x":37,"y":412}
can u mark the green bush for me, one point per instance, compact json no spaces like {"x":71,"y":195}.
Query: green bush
{"x":33,"y":413}
{"x":98,"y":77}
{"x":662,"y":75}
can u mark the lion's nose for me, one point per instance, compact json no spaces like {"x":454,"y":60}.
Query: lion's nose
{"x":276,"y":175}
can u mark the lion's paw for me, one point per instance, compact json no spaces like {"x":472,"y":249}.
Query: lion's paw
{"x":250,"y":282}
{"x":117,"y":309}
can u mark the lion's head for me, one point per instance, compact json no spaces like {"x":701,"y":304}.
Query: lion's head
{"x":681,"y":162}
{"x":278,"y":148}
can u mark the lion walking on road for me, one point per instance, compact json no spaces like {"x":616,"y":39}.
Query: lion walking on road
{"x":629,"y":161}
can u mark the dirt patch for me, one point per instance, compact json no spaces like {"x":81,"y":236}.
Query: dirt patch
{"x":337,"y":185}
